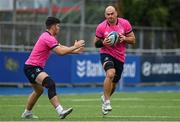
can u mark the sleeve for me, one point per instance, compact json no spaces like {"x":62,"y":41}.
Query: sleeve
{"x":51,"y":42}
{"x":99,"y":33}
{"x":127,"y":27}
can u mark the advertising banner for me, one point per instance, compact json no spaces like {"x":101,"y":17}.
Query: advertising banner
{"x":87,"y":68}
{"x":59,"y":68}
{"x":76,"y":69}
{"x":11,"y":67}
{"x":132,"y":68}
{"x":160,"y":68}
{"x":12,"y":63}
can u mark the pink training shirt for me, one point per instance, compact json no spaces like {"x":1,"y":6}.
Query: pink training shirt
{"x":122,"y":27}
{"x":42,"y":49}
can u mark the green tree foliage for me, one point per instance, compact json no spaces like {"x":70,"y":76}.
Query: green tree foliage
{"x":174,"y":13}
{"x":151,"y":12}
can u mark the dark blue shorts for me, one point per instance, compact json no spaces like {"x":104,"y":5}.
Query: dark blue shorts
{"x":32,"y":72}
{"x":114,"y":63}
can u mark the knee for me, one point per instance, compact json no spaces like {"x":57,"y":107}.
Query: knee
{"x":50,"y":85}
{"x":110,"y":73}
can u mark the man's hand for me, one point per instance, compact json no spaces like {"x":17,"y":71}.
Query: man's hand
{"x":107,"y":42}
{"x":122,"y":38}
{"x":79,"y":43}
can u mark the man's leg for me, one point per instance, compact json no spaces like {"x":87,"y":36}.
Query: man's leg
{"x":113,"y":88}
{"x":106,"y":107}
{"x":47,"y":82}
{"x":108,"y":83}
{"x":32,"y":99}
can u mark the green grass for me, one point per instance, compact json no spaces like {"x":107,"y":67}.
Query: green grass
{"x":164,"y":106}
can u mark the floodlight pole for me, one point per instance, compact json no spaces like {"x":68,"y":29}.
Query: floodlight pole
{"x":82,"y":9}
{"x":14,"y":11}
{"x":13,"y":22}
{"x":50,"y":8}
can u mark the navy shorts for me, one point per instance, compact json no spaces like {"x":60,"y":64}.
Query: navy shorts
{"x":32,"y":72}
{"x":114,"y":63}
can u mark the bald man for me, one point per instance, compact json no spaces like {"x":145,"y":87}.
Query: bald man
{"x":112,"y":57}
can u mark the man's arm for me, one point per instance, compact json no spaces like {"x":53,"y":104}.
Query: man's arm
{"x":76,"y":48}
{"x":102,"y":42}
{"x":98,"y":43}
{"x":129,"y":38}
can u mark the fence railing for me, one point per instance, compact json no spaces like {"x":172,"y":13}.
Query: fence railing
{"x":22,"y":37}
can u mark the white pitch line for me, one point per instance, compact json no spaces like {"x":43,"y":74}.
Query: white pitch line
{"x":131,"y":107}
{"x":114,"y":99}
{"x":90,"y":106}
{"x":125,"y":99}
{"x":74,"y":121}
{"x":162,"y":117}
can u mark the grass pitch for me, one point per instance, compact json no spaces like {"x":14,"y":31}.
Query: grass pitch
{"x":164,"y":106}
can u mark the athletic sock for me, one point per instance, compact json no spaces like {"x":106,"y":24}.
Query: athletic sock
{"x":27,"y":110}
{"x":107,"y":101}
{"x":59,"y":109}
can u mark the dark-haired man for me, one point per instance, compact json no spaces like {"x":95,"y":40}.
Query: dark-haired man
{"x":34,"y":65}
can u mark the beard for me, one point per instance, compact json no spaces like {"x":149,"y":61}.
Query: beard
{"x":111,"y":20}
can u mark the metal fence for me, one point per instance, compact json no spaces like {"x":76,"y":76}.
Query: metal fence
{"x":22,"y":37}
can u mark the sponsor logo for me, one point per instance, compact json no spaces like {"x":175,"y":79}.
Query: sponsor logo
{"x":38,"y":70}
{"x":146,"y":68}
{"x":149,"y":68}
{"x":81,"y":68}
{"x":129,"y":69}
{"x":87,"y":68}
{"x":11,"y":64}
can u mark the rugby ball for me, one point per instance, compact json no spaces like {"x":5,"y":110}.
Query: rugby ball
{"x":113,"y":37}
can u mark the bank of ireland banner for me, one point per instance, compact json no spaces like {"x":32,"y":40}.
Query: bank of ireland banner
{"x":132,"y":70}
{"x":160,"y":68}
{"x":83,"y":68}
{"x":87,"y":68}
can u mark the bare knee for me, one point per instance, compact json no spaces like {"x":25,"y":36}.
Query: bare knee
{"x":110,"y":73}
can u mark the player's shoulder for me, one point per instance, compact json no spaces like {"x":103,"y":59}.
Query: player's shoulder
{"x":123,"y":21}
{"x":46,"y":35}
{"x":102,"y":24}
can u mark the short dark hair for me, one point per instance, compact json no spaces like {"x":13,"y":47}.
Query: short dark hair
{"x":51,"y":21}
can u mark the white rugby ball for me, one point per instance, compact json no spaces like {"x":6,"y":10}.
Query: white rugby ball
{"x":114,"y":37}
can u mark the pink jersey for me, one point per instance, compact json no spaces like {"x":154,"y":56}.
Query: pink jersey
{"x":41,"y":50}
{"x":122,"y":27}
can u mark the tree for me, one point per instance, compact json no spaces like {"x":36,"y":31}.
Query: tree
{"x":146,"y":12}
